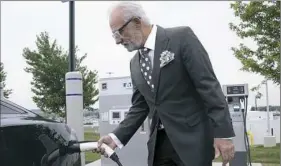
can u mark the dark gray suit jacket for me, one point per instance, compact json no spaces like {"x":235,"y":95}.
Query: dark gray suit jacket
{"x":188,"y":99}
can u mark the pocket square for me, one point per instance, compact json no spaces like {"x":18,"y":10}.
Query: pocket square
{"x":166,"y":57}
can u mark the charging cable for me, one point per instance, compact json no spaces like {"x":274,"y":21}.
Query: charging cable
{"x":78,"y":147}
{"x":246,"y":139}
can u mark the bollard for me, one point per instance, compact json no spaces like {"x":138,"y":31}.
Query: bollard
{"x":74,"y":105}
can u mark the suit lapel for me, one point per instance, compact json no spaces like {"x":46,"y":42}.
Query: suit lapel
{"x":160,"y":45}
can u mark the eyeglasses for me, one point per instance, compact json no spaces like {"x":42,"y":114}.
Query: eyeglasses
{"x":117,"y":33}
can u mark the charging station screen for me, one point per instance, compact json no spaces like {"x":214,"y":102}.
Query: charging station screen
{"x":115,"y":115}
{"x":235,"y":90}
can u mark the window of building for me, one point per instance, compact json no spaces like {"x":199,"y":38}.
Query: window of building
{"x":115,"y":115}
{"x":104,"y":86}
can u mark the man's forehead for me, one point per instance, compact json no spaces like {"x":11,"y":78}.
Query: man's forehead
{"x":116,"y":19}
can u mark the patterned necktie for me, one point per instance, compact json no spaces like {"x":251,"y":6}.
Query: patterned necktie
{"x":146,"y":67}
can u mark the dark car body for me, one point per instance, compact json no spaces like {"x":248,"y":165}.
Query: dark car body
{"x":26,"y":139}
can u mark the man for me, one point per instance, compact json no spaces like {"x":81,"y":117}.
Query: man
{"x":174,"y":82}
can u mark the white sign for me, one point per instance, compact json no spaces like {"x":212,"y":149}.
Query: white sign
{"x":127,"y":85}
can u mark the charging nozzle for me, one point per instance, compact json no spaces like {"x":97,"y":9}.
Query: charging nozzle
{"x":90,"y":146}
{"x":78,"y":147}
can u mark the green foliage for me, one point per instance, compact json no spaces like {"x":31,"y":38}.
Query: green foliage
{"x":256,"y":89}
{"x":3,"y":76}
{"x":260,"y":21}
{"x":48,"y":64}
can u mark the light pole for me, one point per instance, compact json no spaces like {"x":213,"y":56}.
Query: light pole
{"x":269,"y":140}
{"x":267,"y":106}
{"x":71,"y":36}
{"x":71,"y":56}
{"x":74,"y":85}
{"x":280,"y":73}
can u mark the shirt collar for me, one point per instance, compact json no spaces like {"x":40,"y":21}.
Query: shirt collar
{"x":150,"y":42}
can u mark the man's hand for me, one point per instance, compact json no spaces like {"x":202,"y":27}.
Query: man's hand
{"x":224,"y":148}
{"x":105,"y":140}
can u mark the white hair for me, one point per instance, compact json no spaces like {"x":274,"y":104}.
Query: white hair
{"x":131,"y":9}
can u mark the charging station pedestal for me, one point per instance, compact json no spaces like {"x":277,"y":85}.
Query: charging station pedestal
{"x":235,"y":95}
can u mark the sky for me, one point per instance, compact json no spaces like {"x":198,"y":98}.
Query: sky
{"x":22,"y":21}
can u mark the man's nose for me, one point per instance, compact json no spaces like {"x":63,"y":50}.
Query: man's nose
{"x":118,"y":40}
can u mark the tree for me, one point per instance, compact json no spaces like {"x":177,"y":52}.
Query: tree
{"x":3,"y":76}
{"x":48,"y":64}
{"x":260,"y":21}
{"x":258,"y":94}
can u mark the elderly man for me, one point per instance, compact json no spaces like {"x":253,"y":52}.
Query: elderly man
{"x":173,"y":80}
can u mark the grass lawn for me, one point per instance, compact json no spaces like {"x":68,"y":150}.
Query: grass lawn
{"x":259,"y":154}
{"x":89,"y":156}
{"x":266,"y":156}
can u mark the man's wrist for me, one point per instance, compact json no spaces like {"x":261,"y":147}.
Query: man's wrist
{"x":227,"y":138}
{"x":116,"y":140}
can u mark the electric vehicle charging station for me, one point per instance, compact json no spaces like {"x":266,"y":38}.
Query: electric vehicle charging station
{"x":114,"y":102}
{"x":237,"y":95}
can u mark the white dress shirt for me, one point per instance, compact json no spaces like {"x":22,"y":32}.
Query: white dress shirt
{"x":150,"y":44}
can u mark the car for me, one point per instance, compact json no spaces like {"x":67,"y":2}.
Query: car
{"x":27,"y":139}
